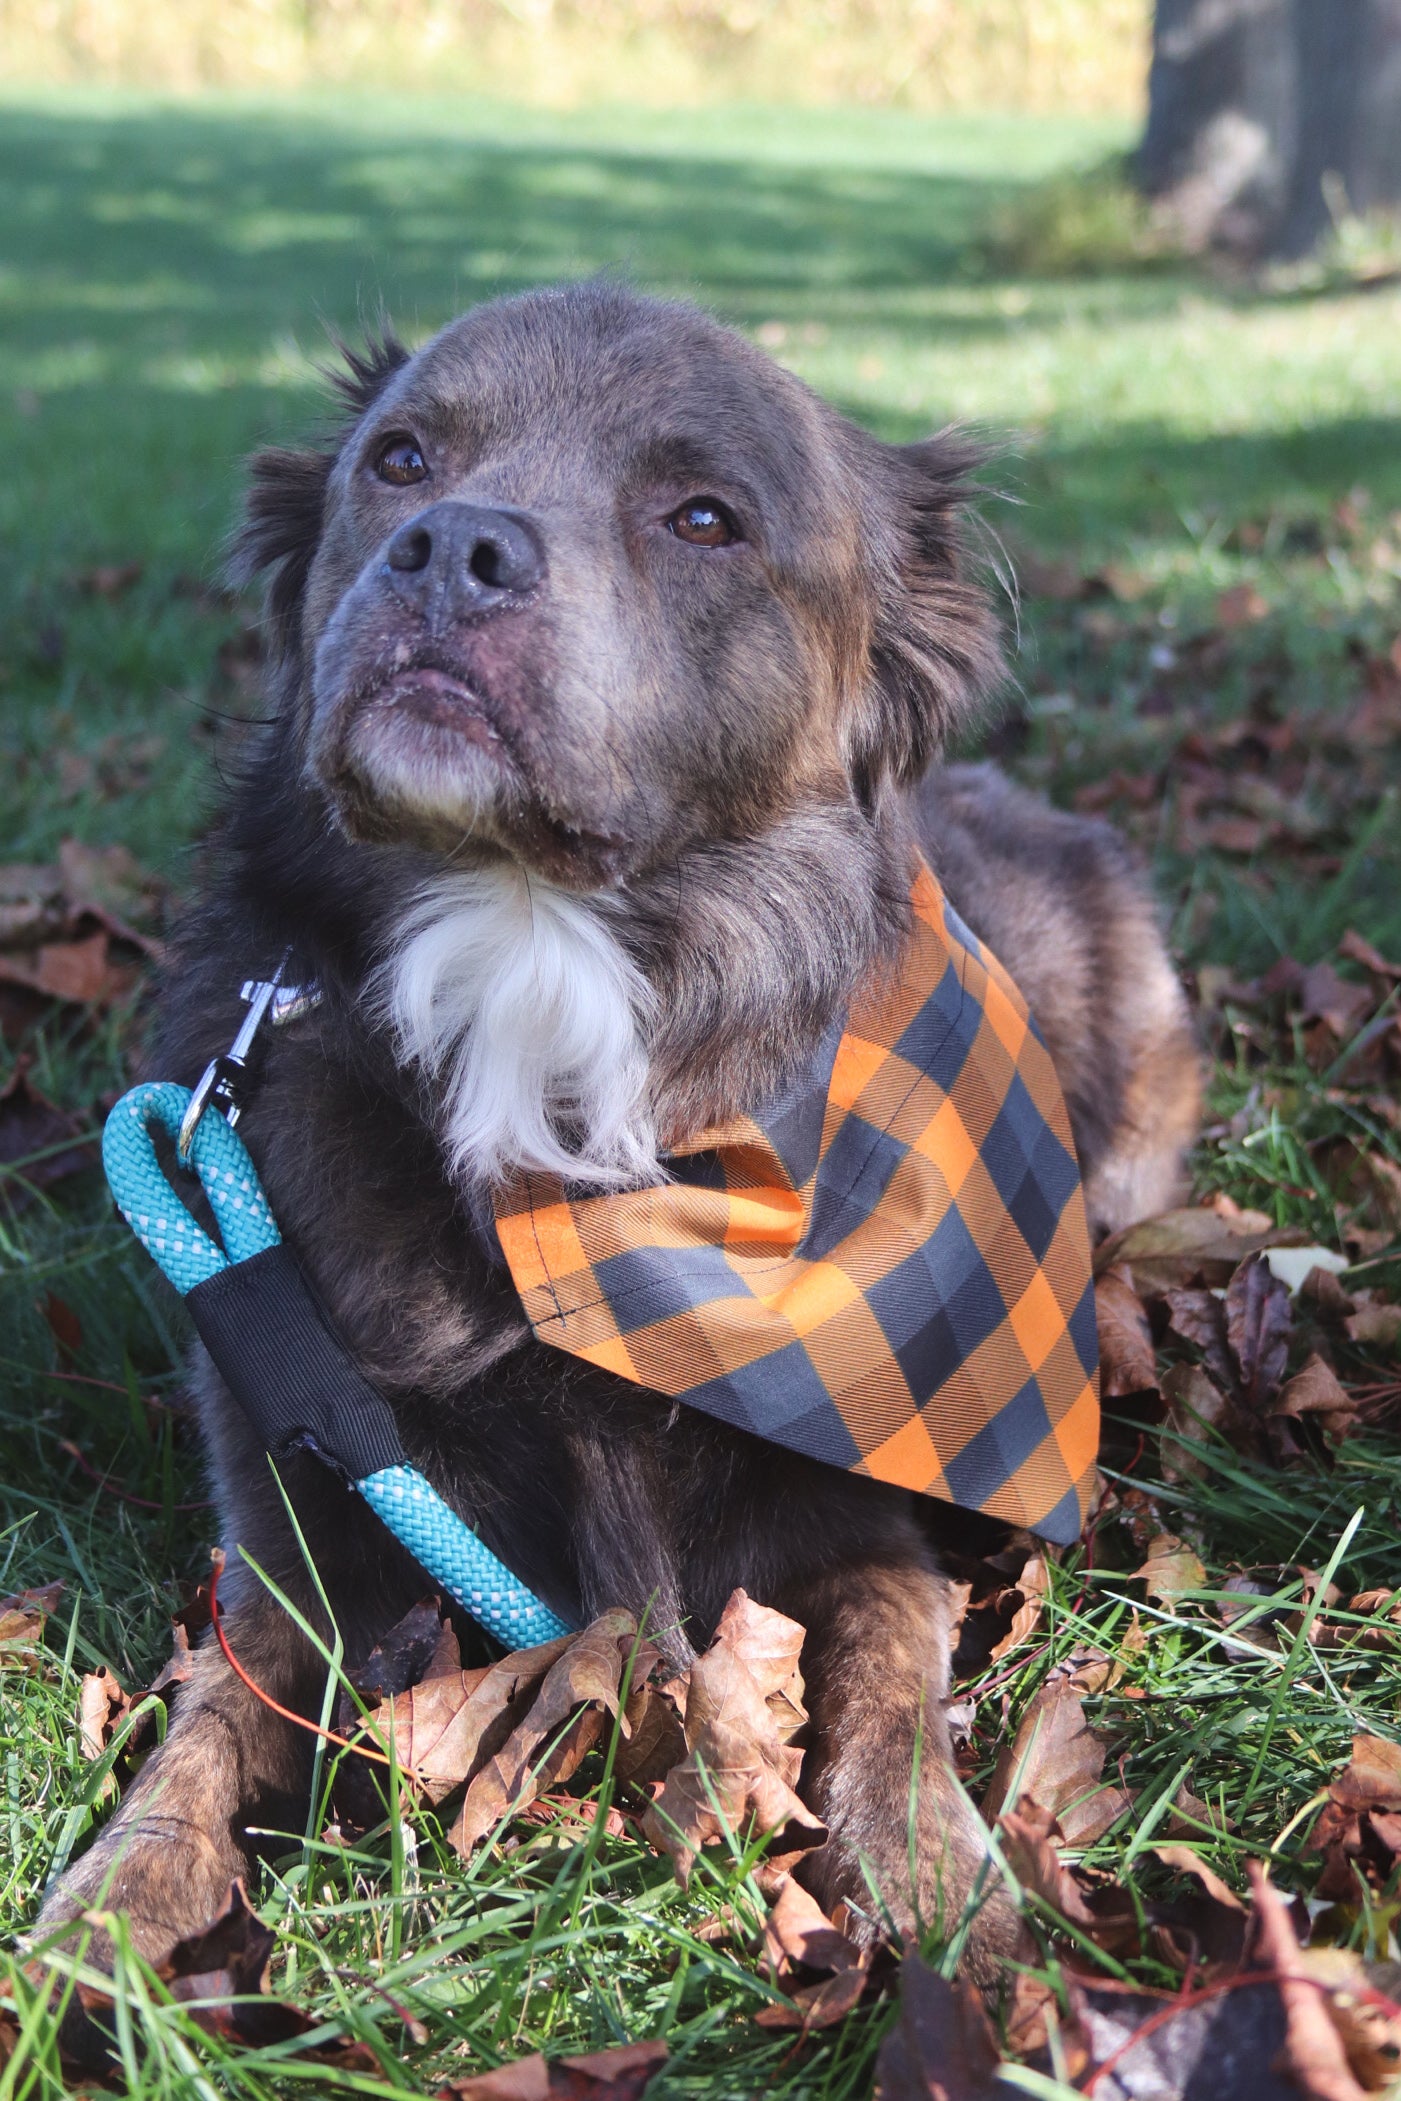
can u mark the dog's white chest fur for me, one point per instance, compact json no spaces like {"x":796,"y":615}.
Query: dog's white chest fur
{"x":519,"y":1004}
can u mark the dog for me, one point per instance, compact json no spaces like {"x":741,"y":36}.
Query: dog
{"x":610,"y":670}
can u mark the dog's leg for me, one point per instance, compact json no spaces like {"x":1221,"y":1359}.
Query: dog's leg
{"x":876,"y":1663}
{"x":229,"y":1762}
{"x":181,"y":1835}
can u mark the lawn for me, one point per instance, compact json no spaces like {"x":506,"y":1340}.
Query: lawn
{"x":1200,"y":484}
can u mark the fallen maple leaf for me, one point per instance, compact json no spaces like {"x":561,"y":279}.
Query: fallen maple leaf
{"x":799,"y":1935}
{"x":110,"y":883}
{"x":1338,"y":1001}
{"x":102,"y":1706}
{"x":1314,"y":2054}
{"x":1102,"y":1910}
{"x":620,"y":2074}
{"x":820,"y":2005}
{"x":414,"y":1649}
{"x":1359,"y":1828}
{"x":40,"y":1144}
{"x":22,"y":1619}
{"x":1240,"y":606}
{"x":942,"y":2047}
{"x":80,"y":972}
{"x":1127,"y":1360}
{"x":1199,"y":1317}
{"x":1373,"y":1321}
{"x":1317,"y":1390}
{"x":1204,"y":1927}
{"x":443,"y":1726}
{"x":744,"y":1706}
{"x":1027,"y":1598}
{"x":1360,"y":950}
{"x":1056,"y":1760}
{"x":1177,"y":1246}
{"x":1196,"y":1407}
{"x":584,"y":1682}
{"x":1170,"y":1569}
{"x":108,"y":579}
{"x":1259,"y":1320}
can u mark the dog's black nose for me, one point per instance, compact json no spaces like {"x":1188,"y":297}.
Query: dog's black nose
{"x":464,"y":558}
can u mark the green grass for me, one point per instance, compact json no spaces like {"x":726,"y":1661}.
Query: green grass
{"x":166,"y":274}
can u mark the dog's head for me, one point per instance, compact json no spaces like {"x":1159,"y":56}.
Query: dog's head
{"x":589,"y":579}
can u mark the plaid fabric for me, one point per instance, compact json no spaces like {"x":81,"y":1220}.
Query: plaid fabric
{"x":887,"y":1269}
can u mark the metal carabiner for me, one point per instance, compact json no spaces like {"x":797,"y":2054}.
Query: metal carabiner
{"x":219,"y":1083}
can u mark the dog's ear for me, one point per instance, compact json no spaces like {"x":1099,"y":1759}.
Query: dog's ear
{"x":285,"y":504}
{"x":934,"y":648}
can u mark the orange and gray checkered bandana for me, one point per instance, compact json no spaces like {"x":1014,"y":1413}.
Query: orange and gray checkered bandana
{"x":888,"y":1268}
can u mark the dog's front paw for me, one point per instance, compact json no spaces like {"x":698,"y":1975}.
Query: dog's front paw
{"x":167,"y":1877}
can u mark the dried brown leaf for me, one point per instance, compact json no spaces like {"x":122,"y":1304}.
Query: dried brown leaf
{"x":1360,"y":950}
{"x":817,"y":2005}
{"x":22,"y":1618}
{"x":560,"y":1727}
{"x":622,"y":2073}
{"x":80,"y":973}
{"x":108,"y":579}
{"x":1207,"y":1925}
{"x":179,"y":1666}
{"x":1199,"y":1317}
{"x":1374,"y":1321}
{"x":654,"y":1740}
{"x":109,"y":882}
{"x":102,"y":1706}
{"x":1338,"y":1001}
{"x":1259,"y":1321}
{"x":942,"y":2048}
{"x":445,"y":1726}
{"x":1188,"y":1862}
{"x":1056,"y":1760}
{"x":1100,"y":1909}
{"x":743,"y":1708}
{"x":35,"y":1131}
{"x":1314,"y":2054}
{"x":1317,"y":1390}
{"x":1359,"y":1828}
{"x":799,"y":1935}
{"x":1127,"y":1360}
{"x":1027,"y":1598}
{"x":1178,"y":1246}
{"x":1240,"y":606}
{"x":1196,"y":1407}
{"x":420,"y":1645}
{"x":1170,"y":1569}
{"x":1371,"y":1778}
{"x":65,"y":1326}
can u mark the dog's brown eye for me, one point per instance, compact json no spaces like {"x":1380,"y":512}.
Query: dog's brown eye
{"x":401,"y":462}
{"x":703,"y":524}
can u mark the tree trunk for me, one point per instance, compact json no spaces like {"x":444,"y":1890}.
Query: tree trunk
{"x":1265,"y":116}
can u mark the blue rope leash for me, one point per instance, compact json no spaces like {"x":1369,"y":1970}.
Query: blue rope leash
{"x":435,"y":1535}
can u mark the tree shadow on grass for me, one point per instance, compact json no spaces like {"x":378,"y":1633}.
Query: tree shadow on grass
{"x":216,"y":229}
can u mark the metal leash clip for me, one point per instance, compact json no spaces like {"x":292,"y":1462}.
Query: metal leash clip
{"x":268,"y":1000}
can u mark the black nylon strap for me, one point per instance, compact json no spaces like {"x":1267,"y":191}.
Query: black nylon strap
{"x":292,"y":1377}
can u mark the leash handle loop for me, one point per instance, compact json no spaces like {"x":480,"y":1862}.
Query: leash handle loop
{"x":414,"y":1512}
{"x":152,"y":1209}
